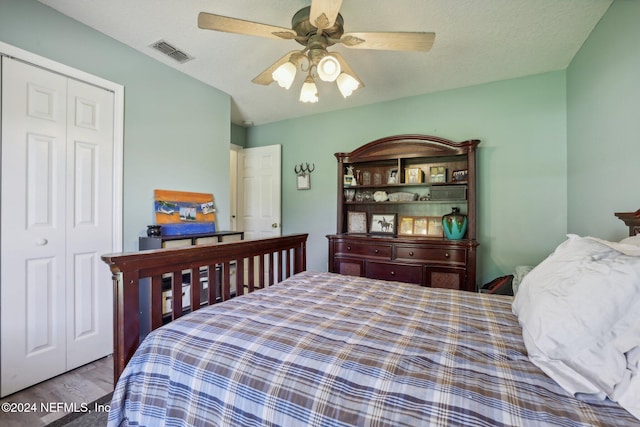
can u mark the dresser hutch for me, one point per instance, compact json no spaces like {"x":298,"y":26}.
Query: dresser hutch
{"x":391,"y":196}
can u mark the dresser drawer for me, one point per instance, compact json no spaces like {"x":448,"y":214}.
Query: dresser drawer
{"x":365,"y":249}
{"x":391,"y":271}
{"x":426,"y":255}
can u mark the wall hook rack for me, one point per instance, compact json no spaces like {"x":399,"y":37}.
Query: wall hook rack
{"x":304,"y":168}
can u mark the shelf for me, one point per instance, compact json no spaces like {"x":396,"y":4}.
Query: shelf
{"x":413,"y":202}
{"x":422,"y":184}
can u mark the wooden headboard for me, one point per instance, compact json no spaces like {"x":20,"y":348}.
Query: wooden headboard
{"x":257,"y":264}
{"x":632,"y":219}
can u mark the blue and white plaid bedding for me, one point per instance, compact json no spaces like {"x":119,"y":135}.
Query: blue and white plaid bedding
{"x":322,"y":349}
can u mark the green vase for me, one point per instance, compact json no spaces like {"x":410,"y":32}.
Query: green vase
{"x":454,"y":224}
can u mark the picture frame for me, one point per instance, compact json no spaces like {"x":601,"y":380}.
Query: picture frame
{"x":383,"y":223}
{"x":459,"y":175}
{"x":405,"y":226}
{"x":349,"y":180}
{"x":356,"y":222}
{"x":392,"y":176}
{"x":437,"y":174}
{"x":413,"y":176}
{"x":303,"y":181}
{"x":420,"y":226}
{"x":434,"y":228}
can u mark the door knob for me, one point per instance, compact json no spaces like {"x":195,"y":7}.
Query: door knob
{"x":41,"y":242}
{"x":274,"y":225}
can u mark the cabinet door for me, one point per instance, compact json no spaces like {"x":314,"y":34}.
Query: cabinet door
{"x":348,"y":266}
{"x":393,"y":271}
{"x":444,"y":277}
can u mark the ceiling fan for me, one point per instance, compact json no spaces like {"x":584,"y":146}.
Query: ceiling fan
{"x":317,"y":27}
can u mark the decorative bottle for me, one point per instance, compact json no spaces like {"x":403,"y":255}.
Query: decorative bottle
{"x":454,"y":224}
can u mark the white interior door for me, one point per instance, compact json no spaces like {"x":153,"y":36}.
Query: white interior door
{"x":261,"y":188}
{"x":34,"y":119}
{"x":89,"y":223}
{"x":57,"y":219}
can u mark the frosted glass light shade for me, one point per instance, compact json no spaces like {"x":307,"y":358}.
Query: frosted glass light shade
{"x":328,"y":68}
{"x":284,"y":74}
{"x":309,"y":92}
{"x":347,"y":84}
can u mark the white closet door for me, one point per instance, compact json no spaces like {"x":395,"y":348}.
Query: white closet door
{"x":89,"y":223}
{"x":57,"y":208}
{"x":34,"y":124}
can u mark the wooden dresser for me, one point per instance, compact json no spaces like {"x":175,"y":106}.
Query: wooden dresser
{"x":406,"y":165}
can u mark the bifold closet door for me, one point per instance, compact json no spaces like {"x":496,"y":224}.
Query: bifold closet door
{"x":57,"y":144}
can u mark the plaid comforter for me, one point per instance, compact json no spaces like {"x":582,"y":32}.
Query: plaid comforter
{"x":321,"y":349}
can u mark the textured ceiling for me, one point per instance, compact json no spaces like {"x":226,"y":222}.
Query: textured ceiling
{"x":477,"y":41}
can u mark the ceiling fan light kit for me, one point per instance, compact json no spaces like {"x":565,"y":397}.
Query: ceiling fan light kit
{"x":285,"y":74}
{"x":309,"y":92}
{"x":328,"y":68}
{"x":346,"y":84}
{"x":317,"y":27}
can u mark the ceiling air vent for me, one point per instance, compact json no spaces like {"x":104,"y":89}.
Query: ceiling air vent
{"x":171,"y":51}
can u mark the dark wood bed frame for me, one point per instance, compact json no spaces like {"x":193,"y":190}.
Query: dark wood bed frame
{"x":265,"y":262}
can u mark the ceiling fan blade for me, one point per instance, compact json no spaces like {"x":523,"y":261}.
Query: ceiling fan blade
{"x":389,"y":41}
{"x":346,"y":68}
{"x":209,"y":21}
{"x":324,"y":12}
{"x":265,"y":78}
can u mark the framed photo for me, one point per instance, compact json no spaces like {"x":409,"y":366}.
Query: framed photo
{"x":349,"y":180}
{"x":420,"y":226}
{"x":383,"y":223}
{"x":434,"y":228}
{"x":406,"y":226}
{"x":459,"y":175}
{"x":356,"y":222}
{"x":437,"y":174}
{"x":413,"y":176}
{"x":392,"y":176}
{"x":303,"y":181}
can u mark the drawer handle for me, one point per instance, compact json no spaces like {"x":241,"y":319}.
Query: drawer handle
{"x":393,"y":273}
{"x":446,"y":255}
{"x":376,"y":251}
{"x":411,"y":253}
{"x":348,"y":248}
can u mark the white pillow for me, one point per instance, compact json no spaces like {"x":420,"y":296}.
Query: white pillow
{"x":633,"y":240}
{"x":579,"y":315}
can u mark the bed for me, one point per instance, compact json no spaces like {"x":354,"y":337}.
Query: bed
{"x":331,"y":350}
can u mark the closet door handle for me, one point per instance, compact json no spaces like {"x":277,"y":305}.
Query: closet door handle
{"x":41,"y":242}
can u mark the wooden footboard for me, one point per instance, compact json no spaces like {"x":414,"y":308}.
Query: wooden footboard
{"x":257,"y":263}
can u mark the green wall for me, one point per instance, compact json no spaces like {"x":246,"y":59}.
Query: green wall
{"x":603,"y":94}
{"x":176,"y":129}
{"x":521,"y":160}
{"x":238,"y":135}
